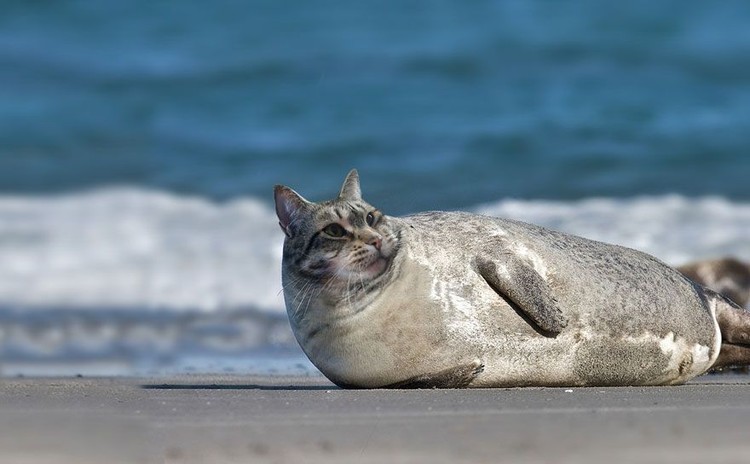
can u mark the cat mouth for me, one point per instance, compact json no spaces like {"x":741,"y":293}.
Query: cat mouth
{"x":377,"y":266}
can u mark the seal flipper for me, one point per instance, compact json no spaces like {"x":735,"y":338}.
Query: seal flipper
{"x":455,"y":377}
{"x":734,"y":323}
{"x":527,"y":290}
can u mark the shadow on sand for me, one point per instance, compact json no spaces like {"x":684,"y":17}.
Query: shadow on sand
{"x":174,"y":386}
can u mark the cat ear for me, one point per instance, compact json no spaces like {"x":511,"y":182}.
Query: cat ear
{"x":288,"y":205}
{"x":350,"y":190}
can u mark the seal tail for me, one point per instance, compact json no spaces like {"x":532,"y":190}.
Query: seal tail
{"x":734,"y":323}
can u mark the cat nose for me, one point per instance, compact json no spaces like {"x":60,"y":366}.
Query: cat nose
{"x":374,"y":240}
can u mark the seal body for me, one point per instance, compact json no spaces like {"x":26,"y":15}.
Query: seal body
{"x":631,"y":320}
{"x":461,"y":300}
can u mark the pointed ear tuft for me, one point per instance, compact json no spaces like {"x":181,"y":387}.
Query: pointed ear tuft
{"x":350,"y":190}
{"x":289,"y":204}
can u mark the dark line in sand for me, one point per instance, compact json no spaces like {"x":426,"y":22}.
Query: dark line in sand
{"x":170,"y":386}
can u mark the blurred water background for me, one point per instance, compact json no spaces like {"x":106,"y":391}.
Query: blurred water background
{"x":140,"y":140}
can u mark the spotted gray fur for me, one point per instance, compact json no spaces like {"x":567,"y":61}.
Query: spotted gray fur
{"x":415,"y":300}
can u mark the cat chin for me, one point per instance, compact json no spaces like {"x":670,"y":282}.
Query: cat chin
{"x":376,"y":268}
{"x":371,"y":271}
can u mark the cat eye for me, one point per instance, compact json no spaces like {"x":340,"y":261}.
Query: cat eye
{"x":370,"y":219}
{"x":334,"y":230}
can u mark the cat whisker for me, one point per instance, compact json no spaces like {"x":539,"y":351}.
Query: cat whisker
{"x":348,"y":291}
{"x":304,"y":292}
{"x":361,"y":282}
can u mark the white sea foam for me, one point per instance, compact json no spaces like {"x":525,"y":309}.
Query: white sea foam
{"x":126,"y":248}
{"x":129,"y":248}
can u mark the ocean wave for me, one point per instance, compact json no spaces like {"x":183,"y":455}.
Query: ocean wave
{"x":131,"y":248}
{"x":122,"y":248}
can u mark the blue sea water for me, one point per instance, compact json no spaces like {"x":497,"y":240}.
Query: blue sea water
{"x":440,"y":104}
{"x":140,"y":140}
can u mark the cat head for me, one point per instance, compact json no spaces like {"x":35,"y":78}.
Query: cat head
{"x":343,"y":240}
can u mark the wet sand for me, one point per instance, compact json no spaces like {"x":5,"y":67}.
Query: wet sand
{"x":240,"y":419}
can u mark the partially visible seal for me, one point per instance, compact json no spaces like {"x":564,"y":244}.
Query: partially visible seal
{"x":728,"y":276}
{"x":460,"y":300}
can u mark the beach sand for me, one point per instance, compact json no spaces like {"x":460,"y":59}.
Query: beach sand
{"x":243,"y":419}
